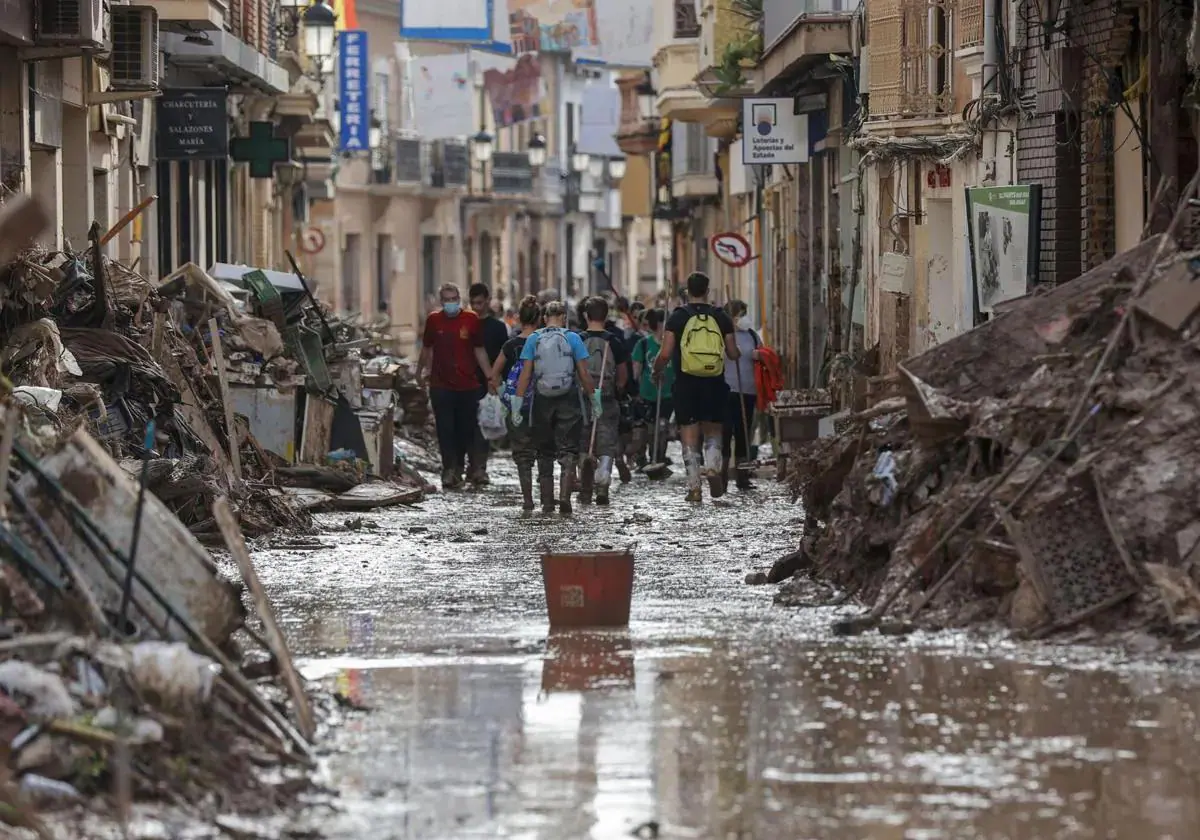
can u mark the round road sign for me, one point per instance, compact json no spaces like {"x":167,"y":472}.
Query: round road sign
{"x":731,"y":249}
{"x":312,"y":240}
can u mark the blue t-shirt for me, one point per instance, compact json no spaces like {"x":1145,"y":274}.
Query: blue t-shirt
{"x":573,"y":339}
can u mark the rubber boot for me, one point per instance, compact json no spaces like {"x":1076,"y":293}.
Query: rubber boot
{"x":639,"y":447}
{"x":691,"y":463}
{"x":725,"y":471}
{"x":587,"y":474}
{"x":525,"y":476}
{"x":566,"y":485}
{"x":623,"y":471}
{"x":546,"y":485}
{"x":743,"y":480}
{"x":604,"y":479}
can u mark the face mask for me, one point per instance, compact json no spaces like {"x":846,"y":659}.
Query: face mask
{"x":451,"y":308}
{"x":743,"y":323}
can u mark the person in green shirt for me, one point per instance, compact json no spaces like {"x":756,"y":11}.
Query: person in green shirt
{"x":644,"y":355}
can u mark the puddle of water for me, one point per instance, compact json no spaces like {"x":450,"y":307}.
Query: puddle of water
{"x":715,"y":714}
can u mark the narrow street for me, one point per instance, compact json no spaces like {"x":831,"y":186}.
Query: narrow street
{"x":717,"y":715}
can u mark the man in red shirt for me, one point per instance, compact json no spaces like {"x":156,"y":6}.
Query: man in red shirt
{"x":452,"y":353}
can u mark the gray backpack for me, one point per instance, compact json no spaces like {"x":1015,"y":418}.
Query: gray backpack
{"x":596,"y":345}
{"x":554,"y":363}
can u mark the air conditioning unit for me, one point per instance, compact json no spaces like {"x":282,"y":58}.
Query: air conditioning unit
{"x":72,"y":23}
{"x":133,"y":63}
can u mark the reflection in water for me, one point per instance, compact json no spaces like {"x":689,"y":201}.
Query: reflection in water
{"x":579,"y":660}
{"x":828,"y":743}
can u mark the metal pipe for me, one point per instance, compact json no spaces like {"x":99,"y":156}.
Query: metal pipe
{"x":990,"y":65}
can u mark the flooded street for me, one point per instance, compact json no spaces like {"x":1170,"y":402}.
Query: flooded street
{"x":717,"y":714}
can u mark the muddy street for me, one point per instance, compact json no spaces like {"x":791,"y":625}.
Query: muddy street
{"x":717,"y":714}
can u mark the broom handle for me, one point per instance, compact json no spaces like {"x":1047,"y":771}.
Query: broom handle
{"x":600,"y":385}
{"x":741,"y":404}
{"x":657,"y":421}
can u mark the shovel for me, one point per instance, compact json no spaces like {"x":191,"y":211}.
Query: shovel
{"x":591,"y":456}
{"x":657,"y":472}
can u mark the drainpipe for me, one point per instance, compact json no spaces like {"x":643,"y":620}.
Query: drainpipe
{"x":990,"y":64}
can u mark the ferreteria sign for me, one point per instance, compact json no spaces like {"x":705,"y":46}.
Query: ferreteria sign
{"x":773,"y":133}
{"x":192,"y":124}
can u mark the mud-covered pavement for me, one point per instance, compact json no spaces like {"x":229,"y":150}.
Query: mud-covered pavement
{"x":717,"y":715}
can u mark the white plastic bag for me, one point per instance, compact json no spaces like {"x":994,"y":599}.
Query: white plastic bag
{"x":491,"y":418}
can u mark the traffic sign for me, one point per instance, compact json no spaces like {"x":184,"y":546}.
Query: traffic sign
{"x":312,"y":240}
{"x":731,"y":249}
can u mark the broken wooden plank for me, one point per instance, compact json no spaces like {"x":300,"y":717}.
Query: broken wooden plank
{"x":171,"y":560}
{"x":235,"y":455}
{"x":266,"y":613}
{"x":376,"y":495}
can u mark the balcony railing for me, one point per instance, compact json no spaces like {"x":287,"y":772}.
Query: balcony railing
{"x":968,"y":23}
{"x":911,"y":57}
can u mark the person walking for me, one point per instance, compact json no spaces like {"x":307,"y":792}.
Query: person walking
{"x":451,"y":362}
{"x":698,"y":338}
{"x":553,"y":370}
{"x":608,"y":365}
{"x":495,"y":333}
{"x":743,"y":395}
{"x":649,"y":410}
{"x":507,"y":370}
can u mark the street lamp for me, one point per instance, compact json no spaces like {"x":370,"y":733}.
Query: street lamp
{"x":537,"y":151}
{"x":616,"y":168}
{"x":319,"y":30}
{"x":664,"y":195}
{"x":482,"y":143}
{"x":579,"y":161}
{"x":595,"y":167}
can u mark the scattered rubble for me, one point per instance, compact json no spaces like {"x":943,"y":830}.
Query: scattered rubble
{"x":138,"y":423}
{"x":1034,"y":470}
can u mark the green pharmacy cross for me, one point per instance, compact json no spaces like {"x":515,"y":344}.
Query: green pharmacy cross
{"x":262,"y":150}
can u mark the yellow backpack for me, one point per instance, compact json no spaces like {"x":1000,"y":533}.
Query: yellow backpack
{"x":702,"y":346}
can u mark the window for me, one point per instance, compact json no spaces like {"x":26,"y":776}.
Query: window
{"x":383,"y":272}
{"x":687,"y":22}
{"x":351,"y":257}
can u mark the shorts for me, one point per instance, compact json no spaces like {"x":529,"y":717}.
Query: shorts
{"x":700,"y":399}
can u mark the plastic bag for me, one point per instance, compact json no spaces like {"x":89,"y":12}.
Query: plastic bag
{"x":491,"y":418}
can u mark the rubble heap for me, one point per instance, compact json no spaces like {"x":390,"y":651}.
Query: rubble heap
{"x":122,"y":671}
{"x":1034,"y":470}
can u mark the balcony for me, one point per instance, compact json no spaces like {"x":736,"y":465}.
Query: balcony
{"x":189,"y":15}
{"x":678,"y":96}
{"x":693,"y":165}
{"x":912,"y":57}
{"x":637,"y":133}
{"x":799,"y":34}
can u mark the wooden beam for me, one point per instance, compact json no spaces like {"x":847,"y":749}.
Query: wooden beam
{"x":235,"y":455}
{"x":262,"y":604}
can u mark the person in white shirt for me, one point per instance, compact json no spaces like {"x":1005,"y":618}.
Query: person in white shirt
{"x":743,"y":395}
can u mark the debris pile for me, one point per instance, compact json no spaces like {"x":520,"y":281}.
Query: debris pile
{"x":1034,"y":470}
{"x":136,"y":423}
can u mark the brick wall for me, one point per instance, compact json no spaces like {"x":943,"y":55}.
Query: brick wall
{"x":1066,"y":146}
